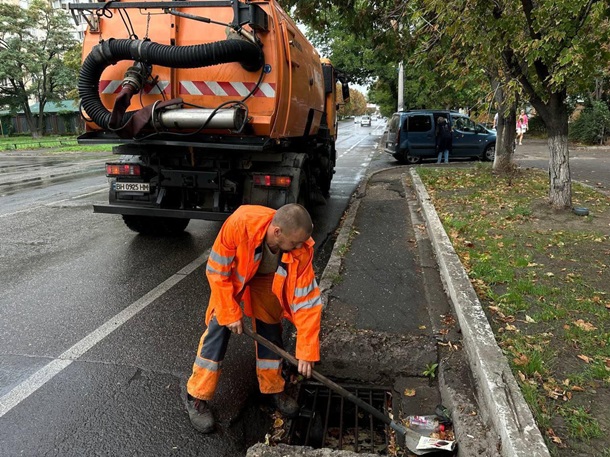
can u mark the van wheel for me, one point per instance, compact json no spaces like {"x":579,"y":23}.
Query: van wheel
{"x":406,"y":159}
{"x":490,"y":153}
{"x":156,"y":226}
{"x":412,"y":160}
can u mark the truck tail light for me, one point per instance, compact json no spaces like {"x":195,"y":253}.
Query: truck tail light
{"x":122,"y":170}
{"x":271,"y":181}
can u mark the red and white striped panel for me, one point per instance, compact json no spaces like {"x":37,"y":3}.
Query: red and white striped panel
{"x":226,"y":88}
{"x":114,"y":87}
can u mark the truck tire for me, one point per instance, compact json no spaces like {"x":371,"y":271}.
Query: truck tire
{"x":304,"y":196}
{"x":156,"y":226}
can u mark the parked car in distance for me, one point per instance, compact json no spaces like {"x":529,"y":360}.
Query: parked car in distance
{"x":411,"y":136}
{"x":365,"y":120}
{"x":356,"y":120}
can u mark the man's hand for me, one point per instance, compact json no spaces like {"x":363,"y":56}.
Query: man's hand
{"x":305,"y":368}
{"x":236,"y":327}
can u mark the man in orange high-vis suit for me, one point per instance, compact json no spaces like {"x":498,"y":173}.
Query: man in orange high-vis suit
{"x":261,"y":260}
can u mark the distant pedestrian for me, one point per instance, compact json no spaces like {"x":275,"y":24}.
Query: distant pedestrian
{"x":495,"y":126}
{"x":443,"y":139}
{"x":522,"y":124}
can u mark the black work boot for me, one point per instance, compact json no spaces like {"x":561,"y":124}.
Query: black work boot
{"x":200,"y":414}
{"x":287,"y":405}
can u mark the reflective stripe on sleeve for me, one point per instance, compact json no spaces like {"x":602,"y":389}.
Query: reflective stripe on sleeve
{"x":216,"y":272}
{"x":208,"y":364}
{"x":240,"y":278}
{"x":268,"y":364}
{"x":312,"y":302}
{"x":221,"y":259}
{"x":304,"y":291}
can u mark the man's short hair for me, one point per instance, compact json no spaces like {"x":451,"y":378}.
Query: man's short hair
{"x":293,"y":217}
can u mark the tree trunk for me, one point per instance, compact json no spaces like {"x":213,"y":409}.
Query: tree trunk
{"x":556,"y":120}
{"x":505,"y":138}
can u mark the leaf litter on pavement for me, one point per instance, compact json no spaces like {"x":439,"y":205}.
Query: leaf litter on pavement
{"x":543,"y":278}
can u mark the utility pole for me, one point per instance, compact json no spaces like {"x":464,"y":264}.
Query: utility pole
{"x":401,"y":87}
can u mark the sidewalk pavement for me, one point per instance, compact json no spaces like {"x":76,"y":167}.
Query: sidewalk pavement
{"x":397,"y":299}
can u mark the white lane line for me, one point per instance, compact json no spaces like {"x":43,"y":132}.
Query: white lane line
{"x":49,"y":371}
{"x":352,"y":147}
{"x":105,"y":188}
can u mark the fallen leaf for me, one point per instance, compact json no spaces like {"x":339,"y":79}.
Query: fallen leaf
{"x":577,"y":389}
{"x":549,"y":274}
{"x":278,"y":423}
{"x":422,"y":327}
{"x":521,"y":360}
{"x":409,"y":392}
{"x":584,"y":358}
{"x":586,"y":326}
{"x":511,"y":328}
{"x":529,"y":320}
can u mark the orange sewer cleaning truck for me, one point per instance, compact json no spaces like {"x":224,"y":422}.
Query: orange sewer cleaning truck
{"x":211,"y":105}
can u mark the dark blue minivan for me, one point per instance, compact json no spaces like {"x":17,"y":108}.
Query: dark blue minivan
{"x":411,"y":138}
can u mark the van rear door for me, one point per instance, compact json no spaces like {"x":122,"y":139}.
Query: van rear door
{"x":420,"y":135}
{"x":391,"y":141}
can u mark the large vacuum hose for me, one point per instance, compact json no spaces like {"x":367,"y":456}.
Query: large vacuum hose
{"x":110,"y":52}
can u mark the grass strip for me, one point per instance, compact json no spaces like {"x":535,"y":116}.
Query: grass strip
{"x":543,"y":279}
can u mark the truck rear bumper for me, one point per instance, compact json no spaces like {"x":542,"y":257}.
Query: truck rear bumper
{"x":159,"y":212}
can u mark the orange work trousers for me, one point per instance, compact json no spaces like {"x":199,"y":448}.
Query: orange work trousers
{"x":266,"y":321}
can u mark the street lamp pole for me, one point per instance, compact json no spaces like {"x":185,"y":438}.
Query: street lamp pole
{"x":401,"y":87}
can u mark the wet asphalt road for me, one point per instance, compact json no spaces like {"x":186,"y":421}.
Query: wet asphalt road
{"x":98,"y":326}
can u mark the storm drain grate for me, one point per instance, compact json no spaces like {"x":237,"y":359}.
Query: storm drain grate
{"x":328,"y":420}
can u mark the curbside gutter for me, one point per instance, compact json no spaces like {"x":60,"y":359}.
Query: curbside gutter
{"x":499,"y":395}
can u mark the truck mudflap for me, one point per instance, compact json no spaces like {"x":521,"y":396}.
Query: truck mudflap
{"x":160,"y":212}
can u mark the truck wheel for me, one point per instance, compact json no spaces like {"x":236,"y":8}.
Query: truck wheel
{"x":156,"y":226}
{"x":304,"y":197}
{"x":326,"y":176}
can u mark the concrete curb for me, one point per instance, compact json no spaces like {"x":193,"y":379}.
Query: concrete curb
{"x":500,"y":398}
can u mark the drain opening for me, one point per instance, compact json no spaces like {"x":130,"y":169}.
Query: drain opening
{"x":328,"y":420}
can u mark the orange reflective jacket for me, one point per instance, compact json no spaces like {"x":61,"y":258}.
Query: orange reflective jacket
{"x":234,"y":260}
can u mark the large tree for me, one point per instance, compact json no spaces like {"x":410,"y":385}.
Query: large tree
{"x":543,"y":49}
{"x":33,"y":44}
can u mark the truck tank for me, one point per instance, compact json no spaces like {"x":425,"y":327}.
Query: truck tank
{"x":212,"y":104}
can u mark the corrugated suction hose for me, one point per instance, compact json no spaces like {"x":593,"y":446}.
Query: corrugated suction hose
{"x":109,"y":52}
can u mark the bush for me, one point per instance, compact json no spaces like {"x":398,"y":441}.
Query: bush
{"x":593,"y":124}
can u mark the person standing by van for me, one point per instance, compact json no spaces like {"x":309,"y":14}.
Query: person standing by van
{"x":443,"y":139}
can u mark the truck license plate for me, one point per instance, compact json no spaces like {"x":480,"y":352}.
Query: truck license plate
{"x":132,"y":187}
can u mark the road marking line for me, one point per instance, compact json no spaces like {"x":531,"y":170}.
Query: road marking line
{"x":105,"y":188}
{"x":48,"y":372}
{"x":353,"y":146}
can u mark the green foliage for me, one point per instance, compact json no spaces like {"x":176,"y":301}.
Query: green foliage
{"x":430,"y":370}
{"x":592,"y":126}
{"x":33,"y":44}
{"x":356,"y":105}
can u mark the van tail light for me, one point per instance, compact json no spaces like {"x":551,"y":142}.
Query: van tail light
{"x":271,"y":181}
{"x":122,"y":169}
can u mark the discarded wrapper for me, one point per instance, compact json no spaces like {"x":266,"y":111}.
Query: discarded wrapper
{"x":426,"y":443}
